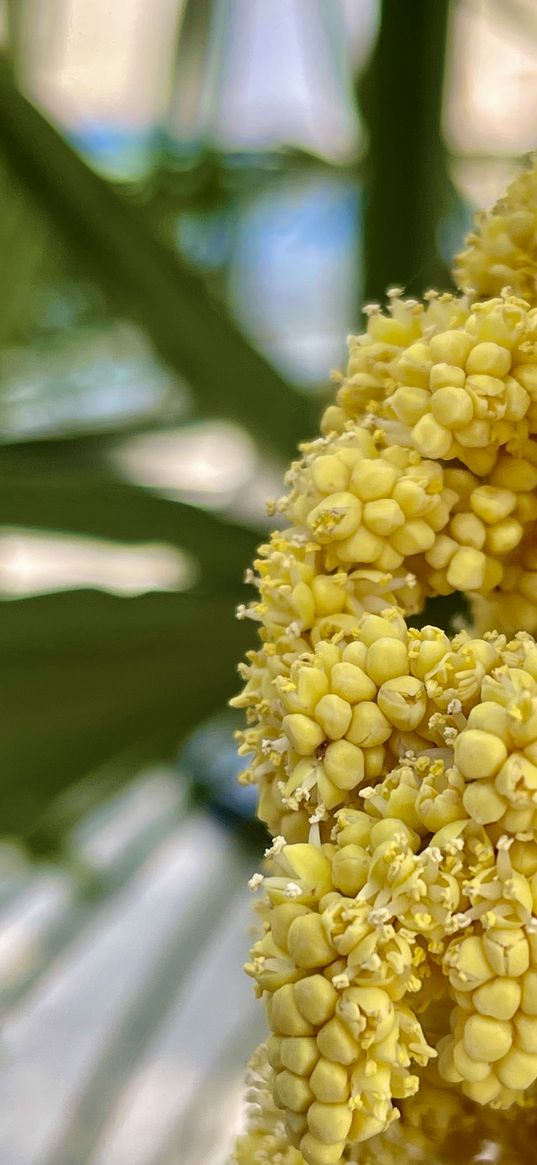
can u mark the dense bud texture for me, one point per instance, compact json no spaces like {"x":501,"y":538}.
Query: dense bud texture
{"x":502,"y":249}
{"x":397,"y":766}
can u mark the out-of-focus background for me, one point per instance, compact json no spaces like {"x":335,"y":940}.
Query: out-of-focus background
{"x":196,"y":197}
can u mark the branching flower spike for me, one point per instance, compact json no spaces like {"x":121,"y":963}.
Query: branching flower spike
{"x":396,"y":767}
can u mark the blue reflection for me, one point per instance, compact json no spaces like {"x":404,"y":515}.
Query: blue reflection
{"x":117,"y":152}
{"x":454,"y":226}
{"x":296,"y":271}
{"x":209,"y":756}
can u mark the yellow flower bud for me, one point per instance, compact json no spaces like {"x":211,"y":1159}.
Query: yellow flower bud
{"x":329,"y":1082}
{"x":526,"y":1032}
{"x":504,"y":536}
{"x":480,"y":459}
{"x":369,"y":726}
{"x":483,"y":1091}
{"x":490,"y":359}
{"x":523,"y":855}
{"x":315,"y":1152}
{"x":311,"y":684}
{"x":334,"y":716}
{"x":450,"y":347}
{"x":303,"y":733}
{"x":303,"y":603}
{"x":333,"y":420}
{"x":430,"y":438}
{"x":329,"y":1122}
{"x":443,"y":374}
{"x":487,"y":1039}
{"x":479,"y":754}
{"x":386,"y":659}
{"x":295,"y":1126}
{"x":328,"y":593}
{"x":292,"y":1091}
{"x":483,"y":803}
{"x":352,"y":683}
{"x":414,"y":364}
{"x":452,"y":407}
{"x":273,"y":1048}
{"x":466,"y":570}
{"x":489,"y":717}
{"x":374,"y":627}
{"x":355,"y":653}
{"x":336,"y":1043}
{"x":307,"y":942}
{"x":517,"y":400}
{"x":354,"y":827}
{"x":373,"y":480}
{"x":391,"y":827}
{"x":411,"y":497}
{"x":349,"y":869}
{"x":499,"y":998}
{"x":468,"y":530}
{"x":526,"y":374}
{"x":413,"y":538}
{"x":330,"y":475}
{"x":514,"y":474}
{"x":383,"y":516}
{"x":282,"y":917}
{"x":492,"y":504}
{"x":344,"y":764}
{"x":529,"y":993}
{"x":409,"y":403}
{"x":470,"y":1070}
{"x":526,"y":508}
{"x":507,"y":951}
{"x":518,"y":1070}
{"x":362,"y":546}
{"x":442,"y":552}
{"x":311,"y":865}
{"x":299,"y":1054}
{"x":335,"y":517}
{"x":285,"y":1016}
{"x":468,"y":964}
{"x":315,"y":998}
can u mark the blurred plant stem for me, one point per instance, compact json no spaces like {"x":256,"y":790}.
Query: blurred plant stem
{"x":401,"y":96}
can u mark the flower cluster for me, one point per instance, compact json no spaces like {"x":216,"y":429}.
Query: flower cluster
{"x":435,"y":1124}
{"x":335,"y":966}
{"x":463,"y":400}
{"x":396,"y":766}
{"x":502,"y":250}
{"x":492,"y":972}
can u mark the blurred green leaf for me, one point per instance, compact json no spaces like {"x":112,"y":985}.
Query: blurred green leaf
{"x":90,"y":675}
{"x":142,"y":277}
{"x":24,"y":240}
{"x":43,"y":493}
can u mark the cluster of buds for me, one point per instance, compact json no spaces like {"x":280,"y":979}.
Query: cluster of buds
{"x":396,"y":766}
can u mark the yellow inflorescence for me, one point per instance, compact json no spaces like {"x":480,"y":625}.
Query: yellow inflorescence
{"x":435,"y":1125}
{"x":502,"y":250}
{"x":396,"y":766}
